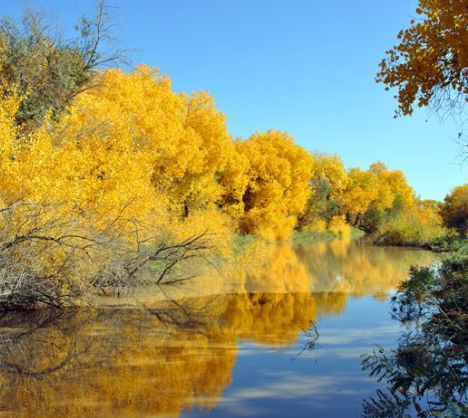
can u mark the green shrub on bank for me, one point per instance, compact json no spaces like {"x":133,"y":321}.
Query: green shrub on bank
{"x":412,"y":230}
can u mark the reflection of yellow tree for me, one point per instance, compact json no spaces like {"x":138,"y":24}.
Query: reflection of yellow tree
{"x":137,"y":362}
{"x":357,"y":268}
{"x":169,"y":373}
{"x":108,"y":367}
{"x":277,"y":302}
{"x":330,"y":303}
{"x":278,"y":270}
{"x":265,"y":268}
{"x":271,"y":319}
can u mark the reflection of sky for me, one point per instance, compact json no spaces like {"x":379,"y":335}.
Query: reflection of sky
{"x":325,"y":382}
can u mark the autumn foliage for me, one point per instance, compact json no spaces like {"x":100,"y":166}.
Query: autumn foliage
{"x":454,"y":210}
{"x":134,"y":163}
{"x":428,"y":66}
{"x":103,"y":178}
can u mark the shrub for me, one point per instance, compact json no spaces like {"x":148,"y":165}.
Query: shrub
{"x":421,"y":227}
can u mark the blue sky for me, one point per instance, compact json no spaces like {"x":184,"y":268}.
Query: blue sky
{"x":303,"y":66}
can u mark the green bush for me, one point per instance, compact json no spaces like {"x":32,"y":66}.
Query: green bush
{"x":413,"y":231}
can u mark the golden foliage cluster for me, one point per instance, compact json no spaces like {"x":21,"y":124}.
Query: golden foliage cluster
{"x":133,"y":139}
{"x":168,"y":159}
{"x":429,"y":65}
{"x":454,"y":210}
{"x":136,"y":158}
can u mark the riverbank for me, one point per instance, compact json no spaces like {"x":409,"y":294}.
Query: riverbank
{"x":444,"y":244}
{"x":441,"y":244}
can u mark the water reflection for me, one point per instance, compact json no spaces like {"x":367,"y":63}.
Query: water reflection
{"x":358,"y":268}
{"x":168,"y":352}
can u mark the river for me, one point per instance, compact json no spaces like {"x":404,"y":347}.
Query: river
{"x":280,"y":333}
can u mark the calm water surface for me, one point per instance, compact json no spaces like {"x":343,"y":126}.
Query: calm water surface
{"x":279,"y":334}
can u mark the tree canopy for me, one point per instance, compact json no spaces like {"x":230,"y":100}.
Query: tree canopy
{"x":37,"y":62}
{"x":429,"y":66}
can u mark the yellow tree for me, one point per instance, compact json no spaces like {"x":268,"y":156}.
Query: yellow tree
{"x":455,"y":209}
{"x":373,"y":195}
{"x":430,"y":63}
{"x":392,"y":185}
{"x":361,"y":191}
{"x":179,"y":142}
{"x":402,"y":192}
{"x":327,"y":185}
{"x":277,"y":188}
{"x":394,"y":196}
{"x":8,"y":146}
{"x":131,"y":150}
{"x":234,"y":181}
